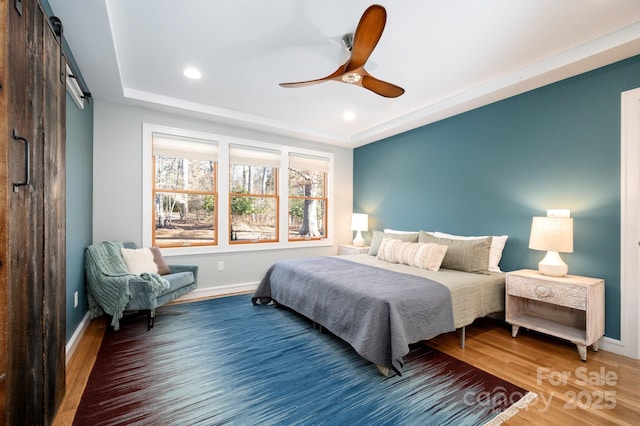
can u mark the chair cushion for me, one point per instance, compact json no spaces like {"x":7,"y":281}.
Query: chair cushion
{"x":143,"y":298}
{"x":178,"y":280}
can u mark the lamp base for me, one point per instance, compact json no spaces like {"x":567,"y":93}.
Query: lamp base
{"x":553,"y":265}
{"x":358,"y":241}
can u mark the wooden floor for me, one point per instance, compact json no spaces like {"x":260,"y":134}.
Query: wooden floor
{"x":605,"y":390}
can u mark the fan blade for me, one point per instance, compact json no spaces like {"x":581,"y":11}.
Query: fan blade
{"x":333,"y":76}
{"x":380,"y":87}
{"x":367,"y":34}
{"x":365,"y":39}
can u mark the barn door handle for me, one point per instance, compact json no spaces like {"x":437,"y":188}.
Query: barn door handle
{"x":27,"y":162}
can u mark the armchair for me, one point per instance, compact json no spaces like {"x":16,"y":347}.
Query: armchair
{"x":112,"y":289}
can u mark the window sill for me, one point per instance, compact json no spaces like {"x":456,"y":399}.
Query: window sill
{"x":241,"y":248}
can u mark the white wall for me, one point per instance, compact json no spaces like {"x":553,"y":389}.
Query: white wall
{"x":117,"y":193}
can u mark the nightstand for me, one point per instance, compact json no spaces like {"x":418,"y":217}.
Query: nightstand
{"x":350,"y":249}
{"x":569,"y":307}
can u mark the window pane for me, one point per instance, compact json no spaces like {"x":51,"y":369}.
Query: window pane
{"x":306,"y":218}
{"x":184,"y":174}
{"x":253,"y":218}
{"x":253,"y":180}
{"x":184,"y":219}
{"x":306,"y":183}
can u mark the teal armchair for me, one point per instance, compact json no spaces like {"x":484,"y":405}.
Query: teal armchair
{"x":113,"y":290}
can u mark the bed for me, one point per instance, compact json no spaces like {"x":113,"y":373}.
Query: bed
{"x":379,"y":306}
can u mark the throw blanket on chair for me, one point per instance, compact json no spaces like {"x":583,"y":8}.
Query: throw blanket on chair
{"x":108,"y":281}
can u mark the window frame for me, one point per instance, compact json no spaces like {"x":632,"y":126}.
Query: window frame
{"x":155,"y":191}
{"x":275,"y":196}
{"x":324,"y":198}
{"x":223,"y":191}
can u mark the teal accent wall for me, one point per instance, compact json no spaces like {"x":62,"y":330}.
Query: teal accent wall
{"x":79,"y":207}
{"x":490,"y":170}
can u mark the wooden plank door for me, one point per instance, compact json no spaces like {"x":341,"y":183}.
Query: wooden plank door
{"x":32,"y":232}
{"x":54,"y":186}
{"x":24,"y":296}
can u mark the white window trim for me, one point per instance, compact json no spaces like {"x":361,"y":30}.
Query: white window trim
{"x":223,"y":142}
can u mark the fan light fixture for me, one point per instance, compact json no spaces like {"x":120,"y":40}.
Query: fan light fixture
{"x":351,"y":78}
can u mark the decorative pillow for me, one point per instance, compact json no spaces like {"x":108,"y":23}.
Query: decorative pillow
{"x":404,"y":251}
{"x":428,"y":256}
{"x":142,"y":260}
{"x":378,"y":236}
{"x":387,"y":246}
{"x":495,"y":253}
{"x":420,"y":255}
{"x":462,"y":255}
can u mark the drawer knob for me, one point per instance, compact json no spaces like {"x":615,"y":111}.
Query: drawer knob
{"x":542,"y":291}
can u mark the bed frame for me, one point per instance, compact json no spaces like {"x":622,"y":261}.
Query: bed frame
{"x":391,"y":305}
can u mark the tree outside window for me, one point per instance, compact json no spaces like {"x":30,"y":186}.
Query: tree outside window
{"x":307,"y":197}
{"x":184,"y":192}
{"x":253,"y":194}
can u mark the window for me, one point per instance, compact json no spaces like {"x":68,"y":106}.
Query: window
{"x":253,"y":194}
{"x":184,"y":192}
{"x":307,"y":197}
{"x":206,"y":193}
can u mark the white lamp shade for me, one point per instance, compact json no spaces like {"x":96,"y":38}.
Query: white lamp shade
{"x":552,"y":234}
{"x":360,"y":222}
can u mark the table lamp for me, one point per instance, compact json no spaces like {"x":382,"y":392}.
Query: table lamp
{"x":553,"y":235}
{"x":359,"y":222}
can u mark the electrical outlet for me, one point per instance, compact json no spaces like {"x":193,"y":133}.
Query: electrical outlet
{"x":221,"y":266}
{"x":75,"y":299}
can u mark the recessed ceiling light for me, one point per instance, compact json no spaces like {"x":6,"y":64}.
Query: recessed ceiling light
{"x":349,"y":115}
{"x":192,"y":73}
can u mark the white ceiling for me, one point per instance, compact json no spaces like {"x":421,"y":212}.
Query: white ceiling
{"x":449,"y":55}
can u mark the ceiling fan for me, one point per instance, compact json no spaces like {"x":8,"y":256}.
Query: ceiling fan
{"x":361,"y":44}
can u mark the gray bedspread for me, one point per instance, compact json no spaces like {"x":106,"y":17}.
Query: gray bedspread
{"x":378,"y":312}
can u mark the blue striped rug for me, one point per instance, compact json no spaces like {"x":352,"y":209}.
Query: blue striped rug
{"x":225,"y":361}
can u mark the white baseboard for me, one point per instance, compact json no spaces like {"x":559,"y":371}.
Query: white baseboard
{"x":617,"y":347}
{"x":208,"y":292}
{"x":76,"y":337}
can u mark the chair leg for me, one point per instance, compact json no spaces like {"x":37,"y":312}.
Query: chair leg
{"x":152,"y":315}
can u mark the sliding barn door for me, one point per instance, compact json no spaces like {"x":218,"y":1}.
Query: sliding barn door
{"x":54,"y":262}
{"x":32,"y":241}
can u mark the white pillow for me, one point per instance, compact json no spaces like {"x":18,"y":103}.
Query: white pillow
{"x":143,"y":260}
{"x":404,"y":252}
{"x":393,"y":231}
{"x":495,"y":252}
{"x":387,"y":246}
{"x":428,"y":256}
{"x":420,"y":255}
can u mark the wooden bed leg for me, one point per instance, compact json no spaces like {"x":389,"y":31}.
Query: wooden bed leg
{"x":462,"y":337}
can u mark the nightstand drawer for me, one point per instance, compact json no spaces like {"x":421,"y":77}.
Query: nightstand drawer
{"x":572,"y":296}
